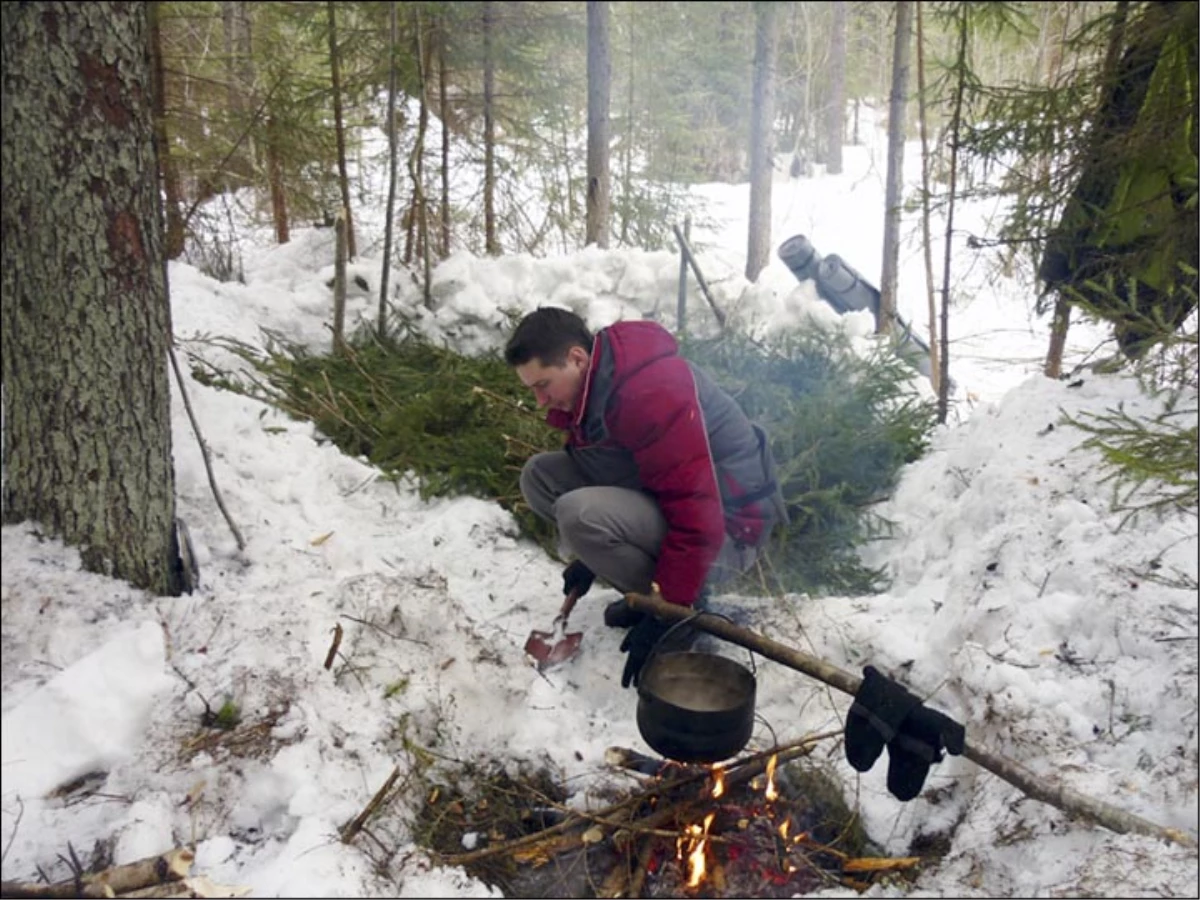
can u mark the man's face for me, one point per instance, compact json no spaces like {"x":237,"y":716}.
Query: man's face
{"x":557,"y":387}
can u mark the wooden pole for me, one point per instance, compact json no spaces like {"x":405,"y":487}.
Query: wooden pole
{"x":1014,"y":773}
{"x":687,"y":252}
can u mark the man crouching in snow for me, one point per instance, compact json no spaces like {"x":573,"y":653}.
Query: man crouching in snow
{"x":662,"y":477}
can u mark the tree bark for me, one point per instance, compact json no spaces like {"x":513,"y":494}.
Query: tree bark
{"x":444,"y":113}
{"x":340,"y":130}
{"x":86,"y":318}
{"x":599,"y":82}
{"x":952,"y":134}
{"x":279,"y":207}
{"x":762,"y":145}
{"x":886,"y":315}
{"x":389,"y":224}
{"x":935,"y":372}
{"x":491,"y":244}
{"x":835,"y":114}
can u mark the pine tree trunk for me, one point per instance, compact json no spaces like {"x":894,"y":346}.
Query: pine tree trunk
{"x":389,"y":224}
{"x":935,"y":372}
{"x":86,"y":321}
{"x":279,"y":208}
{"x":239,"y":92}
{"x":762,"y":147}
{"x":172,"y":190}
{"x":886,"y":316}
{"x":491,"y":244}
{"x":835,"y":115}
{"x":953,"y":129}
{"x":340,"y":130}
{"x":629,"y":140}
{"x":420,"y":205}
{"x":599,"y":81}
{"x":444,"y":112}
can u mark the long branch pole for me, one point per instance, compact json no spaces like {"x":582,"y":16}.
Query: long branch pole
{"x":1014,"y":773}
{"x":687,"y":252}
{"x":212,"y":481}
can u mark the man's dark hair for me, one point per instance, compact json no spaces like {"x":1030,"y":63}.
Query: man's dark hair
{"x":547,"y":334}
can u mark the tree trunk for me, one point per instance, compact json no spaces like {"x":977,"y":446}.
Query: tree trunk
{"x":389,"y":225}
{"x":491,"y":244}
{"x":340,"y":130}
{"x":239,"y":89}
{"x":935,"y":373}
{"x":626,"y":206}
{"x":599,"y":81}
{"x":886,"y":315}
{"x":86,"y":319}
{"x":444,"y":112}
{"x":417,"y":162}
{"x":279,"y":208}
{"x":835,"y":115}
{"x":172,"y":190}
{"x":762,"y":148}
{"x":952,"y":135}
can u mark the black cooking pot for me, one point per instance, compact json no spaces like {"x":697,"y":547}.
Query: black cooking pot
{"x":695,"y":707}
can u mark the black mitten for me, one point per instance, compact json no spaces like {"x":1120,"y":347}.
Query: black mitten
{"x":879,"y":707}
{"x":638,"y":643}
{"x":918,"y":745}
{"x":578,"y":578}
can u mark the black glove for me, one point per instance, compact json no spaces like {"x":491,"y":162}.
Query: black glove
{"x":923,"y":735}
{"x":639,"y":641}
{"x":578,"y":577}
{"x":879,"y":707}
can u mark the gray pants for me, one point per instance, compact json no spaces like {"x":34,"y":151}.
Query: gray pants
{"x":616,"y":529}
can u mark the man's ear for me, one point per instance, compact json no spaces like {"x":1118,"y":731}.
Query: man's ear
{"x":579,"y":356}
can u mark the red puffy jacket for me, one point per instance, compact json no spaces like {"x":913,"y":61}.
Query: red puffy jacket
{"x":648,"y":418}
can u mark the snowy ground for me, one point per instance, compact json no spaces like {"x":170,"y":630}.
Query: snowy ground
{"x":1019,"y":606}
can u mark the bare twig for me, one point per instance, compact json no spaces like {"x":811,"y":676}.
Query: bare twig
{"x":16,"y":825}
{"x":212,"y":482}
{"x":349,"y":832}
{"x":333,"y":647}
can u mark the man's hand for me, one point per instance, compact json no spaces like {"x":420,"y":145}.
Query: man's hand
{"x":638,"y":643}
{"x":577,"y":578}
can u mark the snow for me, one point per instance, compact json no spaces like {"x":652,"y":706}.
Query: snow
{"x":1018,"y":604}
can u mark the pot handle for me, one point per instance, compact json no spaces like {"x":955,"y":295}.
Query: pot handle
{"x":688,"y":621}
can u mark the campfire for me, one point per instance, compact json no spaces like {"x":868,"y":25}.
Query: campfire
{"x":765,"y":825}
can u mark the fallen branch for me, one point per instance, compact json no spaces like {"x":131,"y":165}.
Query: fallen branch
{"x":1058,"y":796}
{"x":352,"y":830}
{"x":116,"y":881}
{"x":212,"y":481}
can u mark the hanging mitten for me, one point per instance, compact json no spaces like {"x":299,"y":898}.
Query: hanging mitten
{"x":879,"y":707}
{"x":922,"y":736}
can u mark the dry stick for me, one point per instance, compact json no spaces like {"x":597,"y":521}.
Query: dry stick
{"x":333,"y":647}
{"x":1014,"y":773}
{"x":687,"y":252}
{"x":212,"y":481}
{"x":349,"y":832}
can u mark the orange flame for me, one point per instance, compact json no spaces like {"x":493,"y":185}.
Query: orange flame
{"x":697,"y":843}
{"x":770,"y":791}
{"x":783,"y":829}
{"x":718,"y":782}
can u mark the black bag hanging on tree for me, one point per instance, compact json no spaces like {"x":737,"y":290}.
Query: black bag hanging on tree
{"x":885,"y":713}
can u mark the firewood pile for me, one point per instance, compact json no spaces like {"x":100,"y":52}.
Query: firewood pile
{"x":750,"y":828}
